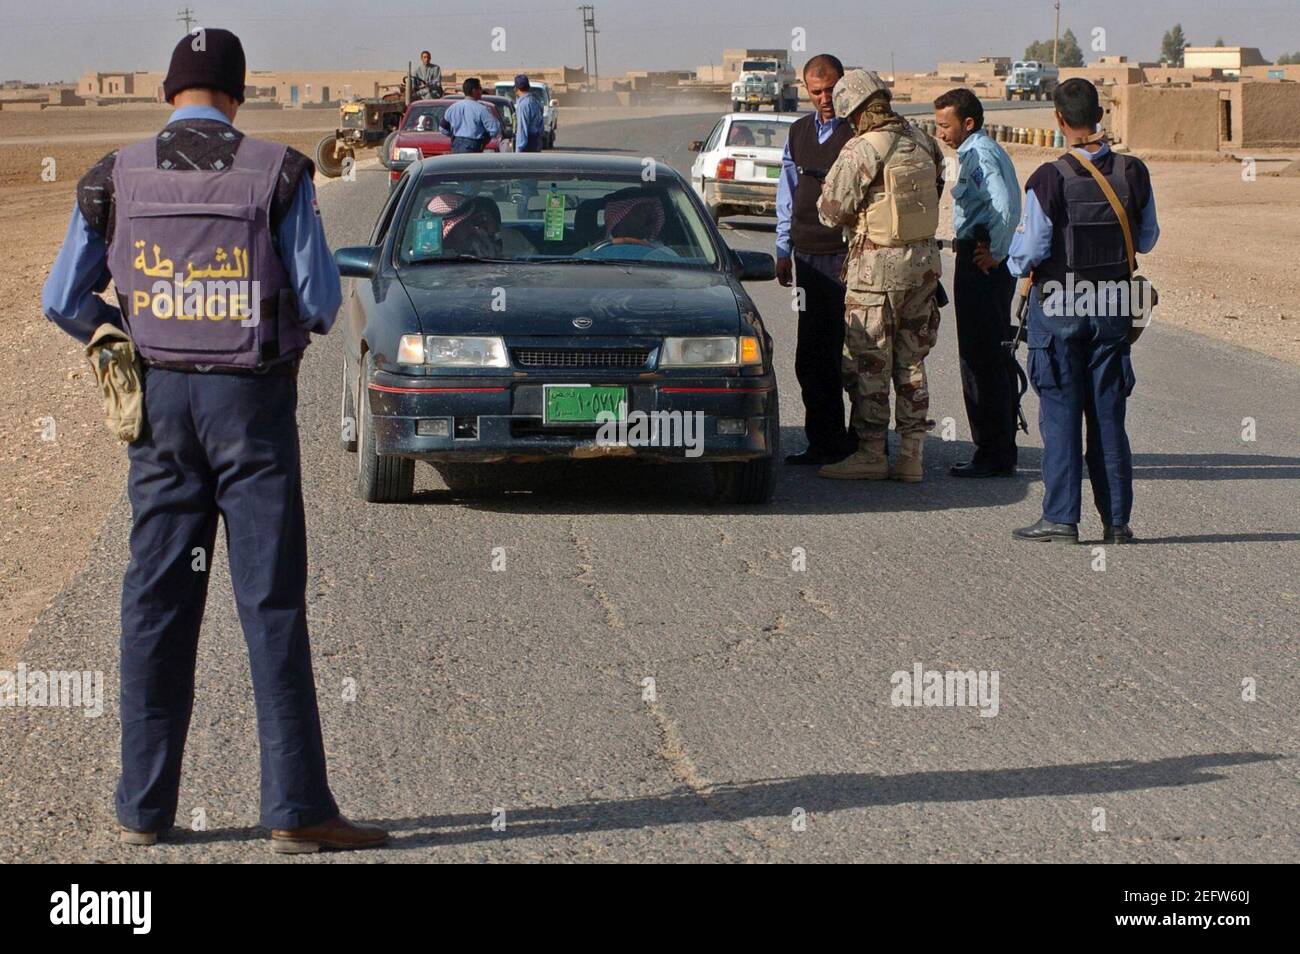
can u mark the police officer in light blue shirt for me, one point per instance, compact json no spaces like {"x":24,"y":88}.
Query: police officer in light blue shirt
{"x":470,"y":122}
{"x":985,"y":209}
{"x":528,"y":117}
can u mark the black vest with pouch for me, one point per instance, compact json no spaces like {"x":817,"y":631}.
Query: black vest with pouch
{"x":807,"y":234}
{"x":1090,"y":242}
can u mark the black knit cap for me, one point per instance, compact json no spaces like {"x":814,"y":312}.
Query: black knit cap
{"x":209,"y":58}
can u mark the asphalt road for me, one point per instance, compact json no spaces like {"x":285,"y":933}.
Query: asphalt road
{"x":1120,"y":690}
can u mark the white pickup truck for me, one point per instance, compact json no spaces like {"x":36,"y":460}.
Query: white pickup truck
{"x":765,"y":82}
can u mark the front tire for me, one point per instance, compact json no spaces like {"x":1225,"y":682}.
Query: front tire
{"x":327,"y":159}
{"x":750,"y":482}
{"x":386,"y":150}
{"x":381,"y":478}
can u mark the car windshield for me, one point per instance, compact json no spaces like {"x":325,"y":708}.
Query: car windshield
{"x":423,"y":118}
{"x":758,"y":133}
{"x":535,"y":218}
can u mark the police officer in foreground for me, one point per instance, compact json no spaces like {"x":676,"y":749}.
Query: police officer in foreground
{"x":985,"y":211}
{"x":221,"y":270}
{"x":469,"y":122}
{"x":885,"y":186}
{"x":1080,"y":335}
{"x":529,"y":117}
{"x":813,"y":145}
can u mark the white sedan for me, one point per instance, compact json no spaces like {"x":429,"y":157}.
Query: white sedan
{"x":740,"y":164}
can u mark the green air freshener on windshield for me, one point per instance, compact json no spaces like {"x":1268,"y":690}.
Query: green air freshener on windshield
{"x":428,"y":236}
{"x":553,"y":221}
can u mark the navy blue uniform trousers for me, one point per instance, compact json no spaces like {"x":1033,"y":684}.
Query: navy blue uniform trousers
{"x":218,"y":444}
{"x":1082,"y":373}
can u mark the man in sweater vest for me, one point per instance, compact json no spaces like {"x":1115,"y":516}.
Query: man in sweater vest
{"x":812,"y":256}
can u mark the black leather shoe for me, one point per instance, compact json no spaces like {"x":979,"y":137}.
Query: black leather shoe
{"x":811,"y":458}
{"x":1117,"y":535}
{"x":978,"y":469}
{"x":1046,"y":531}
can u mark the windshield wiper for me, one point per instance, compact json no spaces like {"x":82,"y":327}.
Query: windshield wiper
{"x":437,"y":259}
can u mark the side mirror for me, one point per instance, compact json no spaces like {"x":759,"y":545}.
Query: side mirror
{"x":553,"y":103}
{"x":358,"y":261}
{"x":754,"y":266}
{"x":696,"y":145}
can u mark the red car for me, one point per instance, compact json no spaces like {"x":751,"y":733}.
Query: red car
{"x":418,"y":135}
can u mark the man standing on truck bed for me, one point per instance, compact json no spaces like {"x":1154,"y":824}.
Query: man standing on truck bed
{"x":426,"y":81}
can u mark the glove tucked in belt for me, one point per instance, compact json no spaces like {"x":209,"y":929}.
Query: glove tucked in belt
{"x":117,"y":370}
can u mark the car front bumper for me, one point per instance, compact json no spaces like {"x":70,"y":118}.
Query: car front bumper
{"x":500,"y":418}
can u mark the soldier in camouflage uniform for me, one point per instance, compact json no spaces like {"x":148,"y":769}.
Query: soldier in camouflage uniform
{"x":892,"y":319}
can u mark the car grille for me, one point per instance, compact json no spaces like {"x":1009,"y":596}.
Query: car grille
{"x":581,"y":357}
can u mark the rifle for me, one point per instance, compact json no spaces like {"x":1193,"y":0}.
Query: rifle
{"x":1020,"y":313}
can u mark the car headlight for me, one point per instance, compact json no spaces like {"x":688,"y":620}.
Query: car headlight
{"x":445,"y":351}
{"x":710,"y":352}
{"x":405,"y":154}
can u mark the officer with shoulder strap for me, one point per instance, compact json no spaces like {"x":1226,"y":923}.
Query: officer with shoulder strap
{"x":1082,"y":305}
{"x":885,"y":187}
{"x":221,"y":268}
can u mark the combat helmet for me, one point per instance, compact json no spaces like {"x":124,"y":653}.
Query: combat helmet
{"x":853,"y":89}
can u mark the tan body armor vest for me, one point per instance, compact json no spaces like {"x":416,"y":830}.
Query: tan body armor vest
{"x":903,"y":200}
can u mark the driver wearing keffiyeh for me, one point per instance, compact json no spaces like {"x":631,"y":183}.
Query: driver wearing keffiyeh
{"x":467,"y":228}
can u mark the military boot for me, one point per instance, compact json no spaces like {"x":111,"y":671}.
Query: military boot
{"x":911,"y":456}
{"x":868,"y":462}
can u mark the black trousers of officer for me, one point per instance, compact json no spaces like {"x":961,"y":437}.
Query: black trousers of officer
{"x":218,"y":444}
{"x":988,"y":376}
{"x":818,"y":353}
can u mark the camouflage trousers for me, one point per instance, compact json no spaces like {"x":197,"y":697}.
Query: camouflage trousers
{"x":886,"y":338}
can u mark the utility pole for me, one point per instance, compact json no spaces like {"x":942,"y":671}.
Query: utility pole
{"x":589,"y":30}
{"x":586,"y":56}
{"x":1056,"y":37}
{"x":187,"y":16}
{"x":893,"y":79}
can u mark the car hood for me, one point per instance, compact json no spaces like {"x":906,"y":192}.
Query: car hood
{"x":546,"y":299}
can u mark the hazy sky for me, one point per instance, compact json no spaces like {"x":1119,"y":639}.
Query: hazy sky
{"x":60,"y":39}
